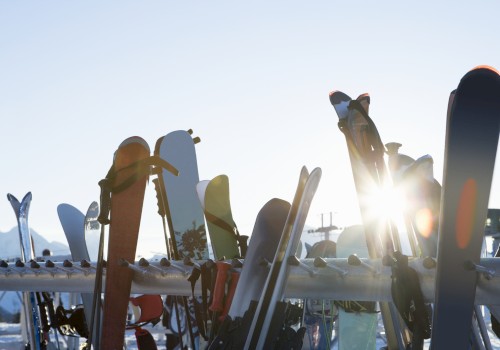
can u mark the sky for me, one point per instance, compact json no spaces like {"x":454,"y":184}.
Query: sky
{"x":250,"y":78}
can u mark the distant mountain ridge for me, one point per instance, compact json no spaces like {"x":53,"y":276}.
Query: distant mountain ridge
{"x":10,"y":247}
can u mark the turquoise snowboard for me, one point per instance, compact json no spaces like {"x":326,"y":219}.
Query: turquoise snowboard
{"x":357,"y":330}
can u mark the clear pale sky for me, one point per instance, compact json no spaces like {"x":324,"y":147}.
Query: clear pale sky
{"x":251,"y":78}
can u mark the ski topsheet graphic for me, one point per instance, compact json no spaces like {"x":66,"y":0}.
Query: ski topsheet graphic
{"x":21,"y":209}
{"x":183,"y":212}
{"x":127,"y":183}
{"x":471,"y":144}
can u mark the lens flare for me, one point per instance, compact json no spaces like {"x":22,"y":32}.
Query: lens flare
{"x":466,"y":214}
{"x":424,"y":222}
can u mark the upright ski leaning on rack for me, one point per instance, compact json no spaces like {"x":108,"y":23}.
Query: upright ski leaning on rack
{"x":122,"y":194}
{"x":30,"y":312}
{"x":472,"y":133}
{"x":371,"y":177}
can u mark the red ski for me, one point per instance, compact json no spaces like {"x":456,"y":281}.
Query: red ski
{"x":127,"y":183}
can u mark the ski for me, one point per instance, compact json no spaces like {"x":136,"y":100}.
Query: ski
{"x":30,"y":312}
{"x":224,"y":236}
{"x":366,"y":152}
{"x":126,"y":183}
{"x":470,"y":151}
{"x":264,"y":329}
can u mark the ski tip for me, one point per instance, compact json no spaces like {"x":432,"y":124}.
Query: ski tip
{"x":134,"y":139}
{"x":27,"y":197}
{"x":304,"y":171}
{"x":364,"y":101}
{"x":338,"y":97}
{"x":485,"y":67}
{"x":364,"y":97}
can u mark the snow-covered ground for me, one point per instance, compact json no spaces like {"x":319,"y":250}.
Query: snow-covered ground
{"x":10,"y":338}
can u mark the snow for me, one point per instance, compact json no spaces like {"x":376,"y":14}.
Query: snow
{"x":10,"y":338}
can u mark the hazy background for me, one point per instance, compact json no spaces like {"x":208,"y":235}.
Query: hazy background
{"x":252,"y":79}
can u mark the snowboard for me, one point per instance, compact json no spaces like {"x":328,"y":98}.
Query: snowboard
{"x":184,"y":213}
{"x":414,"y":179}
{"x":357,"y":329}
{"x":319,"y":314}
{"x":214,"y":198}
{"x":185,"y":218}
{"x":264,"y":329}
{"x":266,"y":235}
{"x":470,"y":151}
{"x":128,"y":183}
{"x":30,"y":311}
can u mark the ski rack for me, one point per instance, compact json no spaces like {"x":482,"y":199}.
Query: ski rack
{"x":332,"y":278}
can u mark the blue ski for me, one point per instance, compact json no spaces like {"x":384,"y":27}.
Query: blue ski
{"x":470,"y":152}
{"x":21,"y":209}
